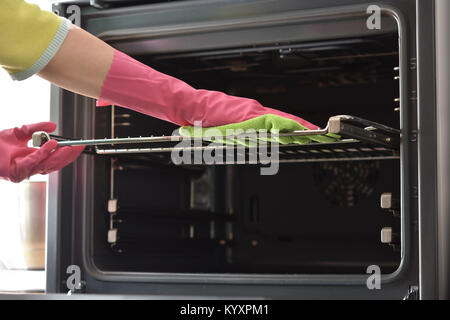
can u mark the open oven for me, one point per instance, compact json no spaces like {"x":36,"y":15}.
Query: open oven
{"x":136,"y":222}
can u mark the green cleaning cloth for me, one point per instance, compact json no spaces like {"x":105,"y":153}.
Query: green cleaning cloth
{"x":269,"y":122}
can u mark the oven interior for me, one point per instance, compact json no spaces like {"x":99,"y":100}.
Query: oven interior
{"x":315,"y":217}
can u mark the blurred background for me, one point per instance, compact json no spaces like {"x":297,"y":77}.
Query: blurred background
{"x":23,"y":205}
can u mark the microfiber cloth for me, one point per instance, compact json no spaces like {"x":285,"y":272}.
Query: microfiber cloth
{"x":269,"y":122}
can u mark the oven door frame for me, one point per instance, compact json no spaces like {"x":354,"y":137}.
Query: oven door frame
{"x":69,"y":226}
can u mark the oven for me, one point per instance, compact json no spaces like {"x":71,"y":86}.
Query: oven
{"x":136,"y":222}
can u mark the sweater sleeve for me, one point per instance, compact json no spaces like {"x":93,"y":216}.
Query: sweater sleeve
{"x":29,"y":37}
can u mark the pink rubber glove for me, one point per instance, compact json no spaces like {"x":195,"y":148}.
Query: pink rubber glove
{"x":19,"y":162}
{"x":138,"y":87}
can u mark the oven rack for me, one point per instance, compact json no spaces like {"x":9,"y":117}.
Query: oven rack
{"x":343,"y":150}
{"x":361,"y":139}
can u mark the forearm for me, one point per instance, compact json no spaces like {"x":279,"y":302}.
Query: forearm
{"x":81,"y":64}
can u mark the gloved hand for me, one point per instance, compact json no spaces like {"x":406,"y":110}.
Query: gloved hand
{"x":19,"y":162}
{"x":136,"y":86}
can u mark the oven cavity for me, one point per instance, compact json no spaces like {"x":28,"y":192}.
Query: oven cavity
{"x":323,"y":212}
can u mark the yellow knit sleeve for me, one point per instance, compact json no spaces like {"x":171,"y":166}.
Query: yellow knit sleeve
{"x":29,"y":37}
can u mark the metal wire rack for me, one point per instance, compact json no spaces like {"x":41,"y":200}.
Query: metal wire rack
{"x":360,"y":140}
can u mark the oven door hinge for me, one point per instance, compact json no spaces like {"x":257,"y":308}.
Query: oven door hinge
{"x":413,"y":293}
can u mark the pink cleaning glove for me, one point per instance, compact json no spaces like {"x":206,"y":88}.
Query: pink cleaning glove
{"x":138,"y":87}
{"x":19,"y":162}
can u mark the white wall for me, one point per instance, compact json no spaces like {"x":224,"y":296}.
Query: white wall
{"x":21,"y":102}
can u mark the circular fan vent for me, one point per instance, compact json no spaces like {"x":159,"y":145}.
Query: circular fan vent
{"x":345,"y":183}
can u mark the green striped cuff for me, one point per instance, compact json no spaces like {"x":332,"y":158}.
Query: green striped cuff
{"x":48,"y":54}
